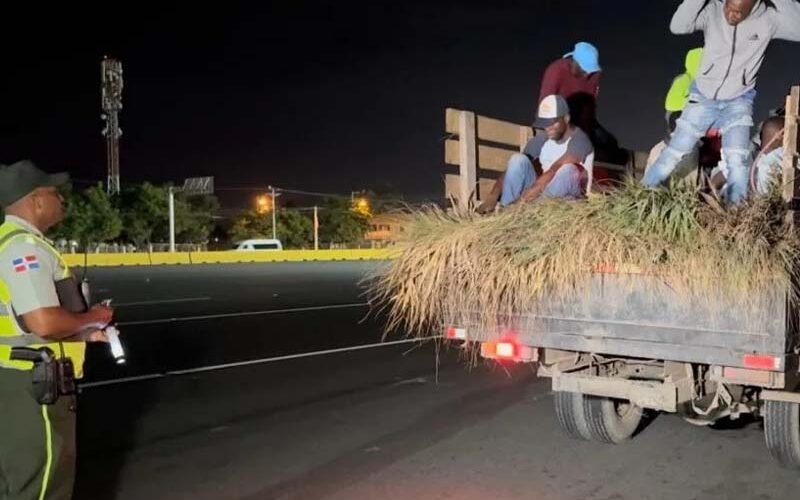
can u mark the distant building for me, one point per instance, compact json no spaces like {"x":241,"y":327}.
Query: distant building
{"x":385,"y":229}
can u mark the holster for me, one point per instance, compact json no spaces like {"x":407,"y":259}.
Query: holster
{"x":50,"y":377}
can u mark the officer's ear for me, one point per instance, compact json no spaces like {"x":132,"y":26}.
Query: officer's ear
{"x":36,"y":200}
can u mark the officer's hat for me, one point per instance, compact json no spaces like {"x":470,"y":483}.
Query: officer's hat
{"x":21,"y":178}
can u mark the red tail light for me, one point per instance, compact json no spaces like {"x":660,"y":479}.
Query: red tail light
{"x":761,"y":362}
{"x":454,"y":333}
{"x":505,"y":350}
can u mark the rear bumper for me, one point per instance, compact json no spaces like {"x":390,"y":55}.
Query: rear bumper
{"x":655,"y":395}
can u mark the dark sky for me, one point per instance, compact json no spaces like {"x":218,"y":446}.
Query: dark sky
{"x":323,"y":96}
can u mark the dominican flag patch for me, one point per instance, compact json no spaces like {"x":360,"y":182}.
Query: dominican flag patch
{"x":26,"y":263}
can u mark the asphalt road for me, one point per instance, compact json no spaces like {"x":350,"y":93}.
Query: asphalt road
{"x":388,"y":422}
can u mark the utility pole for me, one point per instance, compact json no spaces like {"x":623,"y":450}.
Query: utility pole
{"x":316,"y":228}
{"x":274,"y":209}
{"x":171,"y":219}
{"x":111,"y":77}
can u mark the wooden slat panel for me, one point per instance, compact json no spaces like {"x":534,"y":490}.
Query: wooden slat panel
{"x":485,"y":187}
{"x":790,"y":145}
{"x":499,"y":131}
{"x":491,"y":129}
{"x":468,"y":158}
{"x":489,"y":158}
{"x":451,"y":120}
{"x":452,"y":186}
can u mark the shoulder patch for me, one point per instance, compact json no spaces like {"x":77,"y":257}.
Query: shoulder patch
{"x":25,"y":263}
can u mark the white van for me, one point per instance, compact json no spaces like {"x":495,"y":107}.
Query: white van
{"x":268,"y":245}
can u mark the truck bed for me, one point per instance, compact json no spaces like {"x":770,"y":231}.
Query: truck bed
{"x":643,"y":316}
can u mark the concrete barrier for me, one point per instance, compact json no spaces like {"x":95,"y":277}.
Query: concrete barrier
{"x":227,"y":257}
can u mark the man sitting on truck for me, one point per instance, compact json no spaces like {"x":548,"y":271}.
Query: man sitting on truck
{"x":554,"y":163}
{"x":769,"y":161}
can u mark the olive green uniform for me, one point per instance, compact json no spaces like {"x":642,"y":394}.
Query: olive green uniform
{"x":37,"y":442}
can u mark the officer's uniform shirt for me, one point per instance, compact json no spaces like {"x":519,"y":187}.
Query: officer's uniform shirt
{"x":30,"y":269}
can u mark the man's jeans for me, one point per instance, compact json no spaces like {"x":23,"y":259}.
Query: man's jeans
{"x":733,"y":118}
{"x":520,"y":175}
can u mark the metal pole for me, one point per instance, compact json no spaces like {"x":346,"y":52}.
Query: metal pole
{"x":112,"y":84}
{"x":316,"y":229}
{"x":171,"y":220}
{"x":274,"y":209}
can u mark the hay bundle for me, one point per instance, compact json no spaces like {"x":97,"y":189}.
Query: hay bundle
{"x":500,"y":265}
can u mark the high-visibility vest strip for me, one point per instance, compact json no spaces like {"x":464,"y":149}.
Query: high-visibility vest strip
{"x":11,"y":332}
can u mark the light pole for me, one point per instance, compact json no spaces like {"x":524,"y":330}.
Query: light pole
{"x":171,"y":219}
{"x":316,"y":228}
{"x":274,"y":209}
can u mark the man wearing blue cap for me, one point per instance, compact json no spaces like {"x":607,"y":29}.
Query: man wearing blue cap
{"x":576,"y":78}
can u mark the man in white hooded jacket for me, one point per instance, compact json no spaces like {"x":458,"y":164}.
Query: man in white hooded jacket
{"x":737,"y":34}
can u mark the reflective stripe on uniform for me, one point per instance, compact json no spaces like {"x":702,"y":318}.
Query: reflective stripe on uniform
{"x":48,"y":466}
{"x":5,"y":239}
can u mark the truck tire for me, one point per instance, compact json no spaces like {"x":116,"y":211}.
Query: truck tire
{"x":571,"y":414}
{"x":612,"y":421}
{"x":782,"y":432}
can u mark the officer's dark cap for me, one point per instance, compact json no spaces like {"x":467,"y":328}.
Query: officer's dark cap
{"x":21,"y":178}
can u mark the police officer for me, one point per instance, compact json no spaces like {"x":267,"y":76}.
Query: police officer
{"x":37,"y":434}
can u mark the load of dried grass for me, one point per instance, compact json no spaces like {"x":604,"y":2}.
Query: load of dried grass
{"x":499,"y":265}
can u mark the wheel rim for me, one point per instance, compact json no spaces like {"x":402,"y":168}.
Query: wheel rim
{"x":624,"y":409}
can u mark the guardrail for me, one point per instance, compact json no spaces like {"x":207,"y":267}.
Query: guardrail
{"x":227,"y":257}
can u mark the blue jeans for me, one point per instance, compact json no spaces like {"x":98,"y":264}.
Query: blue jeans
{"x":520,"y":175}
{"x":734,"y":118}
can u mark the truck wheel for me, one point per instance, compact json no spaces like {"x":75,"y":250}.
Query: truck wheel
{"x":612,"y":420}
{"x":571,"y":414}
{"x":782,"y":431}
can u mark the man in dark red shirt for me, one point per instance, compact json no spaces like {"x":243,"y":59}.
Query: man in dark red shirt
{"x":576,"y":78}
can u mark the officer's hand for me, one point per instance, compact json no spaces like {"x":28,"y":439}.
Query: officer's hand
{"x":101,"y":314}
{"x":96,"y":336}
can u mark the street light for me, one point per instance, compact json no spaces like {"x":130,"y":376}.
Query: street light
{"x":263,"y":204}
{"x":361,"y":206}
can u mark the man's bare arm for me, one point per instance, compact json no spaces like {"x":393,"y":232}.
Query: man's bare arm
{"x":56,"y":323}
{"x":544,"y":179}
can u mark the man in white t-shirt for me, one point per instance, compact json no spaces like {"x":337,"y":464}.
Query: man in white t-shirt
{"x":556,"y":163}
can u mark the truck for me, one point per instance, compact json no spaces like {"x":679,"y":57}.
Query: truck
{"x":629,"y":345}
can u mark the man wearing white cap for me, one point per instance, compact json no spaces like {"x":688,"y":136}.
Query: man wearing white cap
{"x":556,"y":163}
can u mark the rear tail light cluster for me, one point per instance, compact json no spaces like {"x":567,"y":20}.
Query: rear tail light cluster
{"x":762,"y":362}
{"x":508,"y":350}
{"x":454,"y":333}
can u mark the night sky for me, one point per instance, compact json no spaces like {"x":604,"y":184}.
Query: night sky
{"x":323,"y":96}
